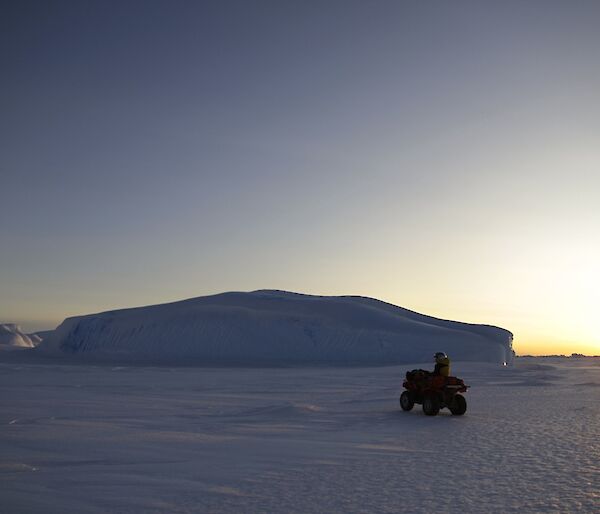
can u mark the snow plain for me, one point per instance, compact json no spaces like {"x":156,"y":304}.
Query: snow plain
{"x":95,"y":439}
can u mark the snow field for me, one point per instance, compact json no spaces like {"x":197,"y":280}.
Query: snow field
{"x":91,"y":439}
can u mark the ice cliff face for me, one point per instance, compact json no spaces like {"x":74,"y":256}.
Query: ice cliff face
{"x":275,"y":327}
{"x":13,"y":338}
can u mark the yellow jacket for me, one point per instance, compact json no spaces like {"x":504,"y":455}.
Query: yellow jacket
{"x":442,"y":367}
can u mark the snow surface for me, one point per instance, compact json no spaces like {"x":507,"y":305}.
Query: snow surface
{"x":274,"y":327}
{"x":94,"y":439}
{"x":13,"y":338}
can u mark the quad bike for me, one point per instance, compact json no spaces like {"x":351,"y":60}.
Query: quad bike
{"x":434,"y":392}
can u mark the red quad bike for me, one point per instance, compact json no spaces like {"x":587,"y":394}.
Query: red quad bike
{"x":434,"y":392}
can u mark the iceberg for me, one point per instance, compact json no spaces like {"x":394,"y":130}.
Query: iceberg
{"x":269,"y":327}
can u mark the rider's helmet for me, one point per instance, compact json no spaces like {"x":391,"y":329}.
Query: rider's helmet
{"x":440,"y":356}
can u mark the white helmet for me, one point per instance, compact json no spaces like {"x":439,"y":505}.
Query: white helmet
{"x":439,"y":356}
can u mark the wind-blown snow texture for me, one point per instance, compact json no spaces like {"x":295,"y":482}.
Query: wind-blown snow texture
{"x":92,"y":439}
{"x":13,"y":338}
{"x":275,"y":327}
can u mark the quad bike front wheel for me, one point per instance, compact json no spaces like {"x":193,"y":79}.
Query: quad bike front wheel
{"x":407,"y":401}
{"x":458,"y":406}
{"x":431,"y":405}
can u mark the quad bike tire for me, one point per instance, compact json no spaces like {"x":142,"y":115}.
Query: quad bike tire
{"x":431,"y":405}
{"x":459,"y":405}
{"x":407,"y":401}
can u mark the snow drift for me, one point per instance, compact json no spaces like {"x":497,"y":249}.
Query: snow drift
{"x":274,"y":327}
{"x":13,"y":338}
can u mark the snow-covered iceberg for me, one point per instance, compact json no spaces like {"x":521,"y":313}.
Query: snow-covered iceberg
{"x":274,"y":327}
{"x":13,"y":338}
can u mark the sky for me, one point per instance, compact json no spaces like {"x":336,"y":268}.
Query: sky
{"x":441,"y":156}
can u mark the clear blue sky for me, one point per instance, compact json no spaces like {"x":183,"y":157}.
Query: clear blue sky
{"x":443,"y":156}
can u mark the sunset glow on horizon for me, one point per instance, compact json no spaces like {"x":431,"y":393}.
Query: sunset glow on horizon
{"x":442,"y":157}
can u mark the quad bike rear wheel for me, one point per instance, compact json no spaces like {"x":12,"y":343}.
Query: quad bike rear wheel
{"x":458,"y":406}
{"x":407,"y":401}
{"x":431,"y":405}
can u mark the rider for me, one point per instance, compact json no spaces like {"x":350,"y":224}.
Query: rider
{"x":442,"y":364}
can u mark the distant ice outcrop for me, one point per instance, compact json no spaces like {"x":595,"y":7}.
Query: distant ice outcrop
{"x":13,"y":338}
{"x":274,"y":327}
